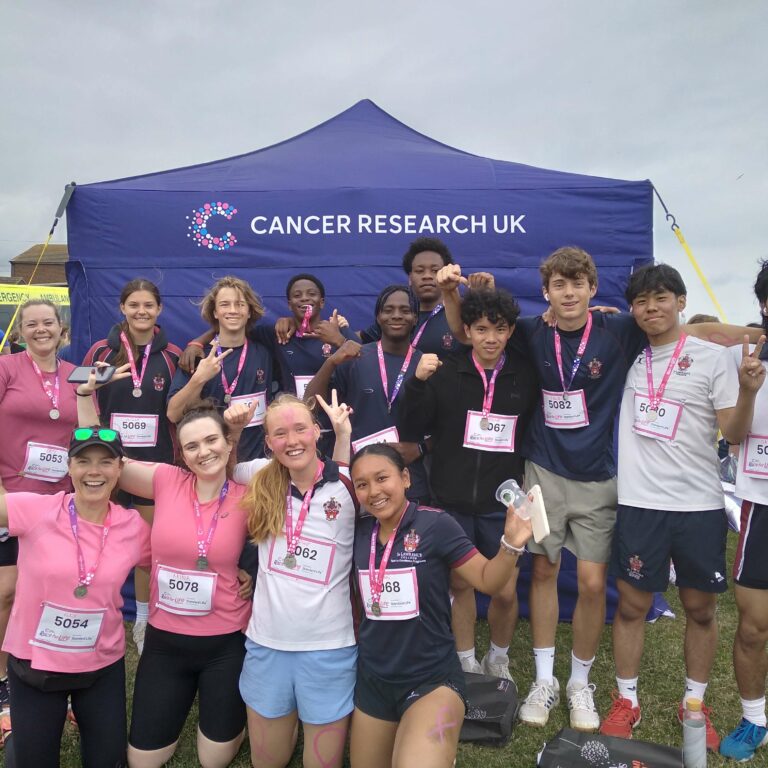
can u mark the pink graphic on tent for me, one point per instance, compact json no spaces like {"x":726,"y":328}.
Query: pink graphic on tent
{"x":198,"y":226}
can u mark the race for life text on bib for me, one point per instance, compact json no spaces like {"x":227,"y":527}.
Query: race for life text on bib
{"x":68,"y":630}
{"x":565,"y":410}
{"x":188,"y":593}
{"x":136,"y":429}
{"x":660,"y":424}
{"x":314,"y":559}
{"x":399,"y":595}
{"x":493,"y":432}
{"x":45,"y":462}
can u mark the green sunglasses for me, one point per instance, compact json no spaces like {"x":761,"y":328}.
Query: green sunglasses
{"x":104,"y":434}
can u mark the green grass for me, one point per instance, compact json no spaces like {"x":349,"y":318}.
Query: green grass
{"x":661,"y":686}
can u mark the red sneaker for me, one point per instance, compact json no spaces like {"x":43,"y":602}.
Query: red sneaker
{"x":622,"y":718}
{"x":713,"y":740}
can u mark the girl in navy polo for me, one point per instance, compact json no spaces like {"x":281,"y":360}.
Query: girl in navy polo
{"x":409,"y":694}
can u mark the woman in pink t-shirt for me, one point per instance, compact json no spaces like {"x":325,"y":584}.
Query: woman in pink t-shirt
{"x":65,"y":638}
{"x":194,"y":642}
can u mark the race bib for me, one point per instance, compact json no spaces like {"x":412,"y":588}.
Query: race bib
{"x":64,"y":629}
{"x":301,"y":385}
{"x":314,"y":559}
{"x":136,"y":429}
{"x":388,"y":435}
{"x":260,"y":398}
{"x":660,"y":424}
{"x":490,"y":433}
{"x":45,"y":462}
{"x":565,"y":410}
{"x":399,"y":595}
{"x":754,"y":456}
{"x":189,"y":593}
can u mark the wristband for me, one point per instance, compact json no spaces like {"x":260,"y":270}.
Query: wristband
{"x":422,"y":449}
{"x":80,"y":394}
{"x":195,"y":344}
{"x":507,"y":547}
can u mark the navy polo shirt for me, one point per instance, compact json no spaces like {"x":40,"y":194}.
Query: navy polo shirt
{"x":436,"y":339}
{"x":585,"y":453}
{"x":256,"y":376}
{"x":431,"y":541}
{"x":359,"y":385}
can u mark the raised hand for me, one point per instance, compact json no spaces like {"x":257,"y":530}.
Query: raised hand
{"x":210,"y":365}
{"x":189,"y":357}
{"x":349,"y":350}
{"x":239,"y":415}
{"x":481,"y":281}
{"x":428,"y":364}
{"x":449,"y":278}
{"x":751,"y":368}
{"x":328,"y":330}
{"x":337,"y":413}
{"x":285,"y":327}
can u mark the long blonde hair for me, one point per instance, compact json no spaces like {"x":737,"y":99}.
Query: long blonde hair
{"x":265,"y":499}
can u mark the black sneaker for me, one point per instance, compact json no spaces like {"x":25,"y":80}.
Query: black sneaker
{"x":5,"y":696}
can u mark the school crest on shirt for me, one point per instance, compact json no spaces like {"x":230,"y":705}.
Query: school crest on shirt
{"x":327,"y":349}
{"x":260,"y":376}
{"x":595,"y":368}
{"x":635,"y":568}
{"x":683,"y":364}
{"x":331,"y":509}
{"x":159,"y":383}
{"x":447,"y":341}
{"x":411,"y":540}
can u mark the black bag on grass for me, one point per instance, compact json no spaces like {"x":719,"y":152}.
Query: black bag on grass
{"x":574,"y":749}
{"x":492,"y":706}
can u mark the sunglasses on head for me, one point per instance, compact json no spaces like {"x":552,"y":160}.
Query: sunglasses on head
{"x":86,"y":433}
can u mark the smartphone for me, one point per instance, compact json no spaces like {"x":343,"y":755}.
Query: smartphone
{"x":539,"y":519}
{"x":81,"y":373}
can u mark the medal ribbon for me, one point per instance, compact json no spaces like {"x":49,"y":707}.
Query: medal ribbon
{"x":489,"y":388}
{"x":53,"y":395}
{"x":203,"y":540}
{"x":400,"y":376}
{"x":230,"y":388}
{"x":579,"y":353}
{"x":135,"y":375}
{"x":85,"y":577}
{"x":438,"y":308}
{"x":305,"y":322}
{"x":376,"y":577}
{"x":654,"y":396}
{"x":292,"y":535}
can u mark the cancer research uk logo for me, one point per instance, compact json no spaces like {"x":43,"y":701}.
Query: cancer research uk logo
{"x":198,"y":226}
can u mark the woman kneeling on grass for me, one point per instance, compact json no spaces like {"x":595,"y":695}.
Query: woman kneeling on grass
{"x":409,"y":695}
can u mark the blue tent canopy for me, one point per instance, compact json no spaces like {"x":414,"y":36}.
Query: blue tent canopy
{"x":342,"y":200}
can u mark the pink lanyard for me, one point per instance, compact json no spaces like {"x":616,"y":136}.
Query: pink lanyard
{"x":292,"y":535}
{"x":53,"y":394}
{"x":85,"y":577}
{"x":400,"y":376}
{"x":305,"y":322}
{"x":376,"y":577}
{"x":488,"y":389}
{"x":579,"y":353}
{"x":654,"y":396}
{"x":204,"y":541}
{"x":415,"y":342}
{"x":230,"y":388}
{"x":136,"y":377}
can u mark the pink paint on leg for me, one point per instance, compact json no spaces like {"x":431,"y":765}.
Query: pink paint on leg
{"x":438,"y":732}
{"x":334,"y":729}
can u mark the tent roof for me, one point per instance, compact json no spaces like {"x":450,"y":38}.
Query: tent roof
{"x":340,"y":154}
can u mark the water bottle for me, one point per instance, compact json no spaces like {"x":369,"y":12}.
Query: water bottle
{"x":694,"y":735}
{"x":510,"y":493}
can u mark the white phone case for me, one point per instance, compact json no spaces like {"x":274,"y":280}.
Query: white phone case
{"x":539,"y":520}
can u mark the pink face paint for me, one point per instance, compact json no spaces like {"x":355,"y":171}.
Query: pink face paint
{"x":339,"y":739}
{"x":442,"y":726}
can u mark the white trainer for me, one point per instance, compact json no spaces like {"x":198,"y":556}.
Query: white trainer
{"x":581,"y":703}
{"x":139,"y":628}
{"x":496,"y":666}
{"x":539,"y":702}
{"x":471,"y":665}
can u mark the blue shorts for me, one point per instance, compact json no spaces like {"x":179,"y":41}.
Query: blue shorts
{"x":484,"y":530}
{"x":319,"y":684}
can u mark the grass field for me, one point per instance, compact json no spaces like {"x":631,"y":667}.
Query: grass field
{"x":661,"y":686}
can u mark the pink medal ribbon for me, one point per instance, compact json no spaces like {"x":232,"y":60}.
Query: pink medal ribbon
{"x":655,"y":395}
{"x":305,"y":322}
{"x":488,"y":387}
{"x":203,"y":540}
{"x":52,"y":393}
{"x":376,"y":577}
{"x":85,"y":576}
{"x":230,"y":388}
{"x":577,"y":358}
{"x":400,"y":376}
{"x":136,"y":377}
{"x":438,"y":308}
{"x":292,"y":535}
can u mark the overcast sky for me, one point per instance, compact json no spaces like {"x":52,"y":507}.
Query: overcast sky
{"x":670,"y":91}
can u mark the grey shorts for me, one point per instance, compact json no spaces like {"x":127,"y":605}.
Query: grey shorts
{"x":581,"y":515}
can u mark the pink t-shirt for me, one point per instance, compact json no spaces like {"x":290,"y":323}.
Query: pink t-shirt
{"x":174,"y":548}
{"x":48,"y":575}
{"x":24,"y":419}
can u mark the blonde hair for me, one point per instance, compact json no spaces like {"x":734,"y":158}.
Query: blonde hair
{"x":208,"y":304}
{"x":265,"y":499}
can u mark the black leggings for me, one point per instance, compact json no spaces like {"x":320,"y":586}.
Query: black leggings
{"x":172,"y":669}
{"x":39,"y":717}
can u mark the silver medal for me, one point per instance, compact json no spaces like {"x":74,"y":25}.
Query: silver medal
{"x":484,"y":423}
{"x":289,"y":561}
{"x":81,"y":590}
{"x":54,"y":413}
{"x":137,"y":392}
{"x":376,"y":608}
{"x":227,"y":398}
{"x":651,"y":414}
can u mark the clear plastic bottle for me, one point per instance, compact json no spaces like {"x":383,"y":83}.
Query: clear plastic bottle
{"x":509,"y":492}
{"x":694,"y":735}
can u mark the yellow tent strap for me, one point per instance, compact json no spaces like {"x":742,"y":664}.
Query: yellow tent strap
{"x":679,"y":234}
{"x":31,"y":278}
